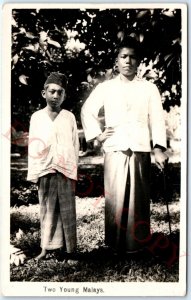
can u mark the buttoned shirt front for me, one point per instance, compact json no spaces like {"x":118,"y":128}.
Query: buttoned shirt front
{"x":133,"y":109}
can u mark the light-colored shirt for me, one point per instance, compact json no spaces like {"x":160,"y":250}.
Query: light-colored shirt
{"x":133,"y":109}
{"x":53,"y":145}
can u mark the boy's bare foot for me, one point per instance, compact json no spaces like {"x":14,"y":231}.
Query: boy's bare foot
{"x":41,"y":255}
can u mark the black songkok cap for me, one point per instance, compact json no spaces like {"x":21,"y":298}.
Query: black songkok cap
{"x":57,"y":78}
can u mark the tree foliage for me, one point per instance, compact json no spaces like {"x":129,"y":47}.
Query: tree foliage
{"x":81,"y":43}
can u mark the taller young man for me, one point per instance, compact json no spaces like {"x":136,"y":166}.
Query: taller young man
{"x":133,"y":115}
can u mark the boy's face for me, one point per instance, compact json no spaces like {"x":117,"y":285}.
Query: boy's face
{"x":127,"y":62}
{"x":54,"y":95}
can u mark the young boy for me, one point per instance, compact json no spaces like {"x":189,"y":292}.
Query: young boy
{"x":52,"y":164}
{"x":133,"y":112}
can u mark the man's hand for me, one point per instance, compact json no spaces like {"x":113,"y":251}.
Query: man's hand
{"x":161,"y":159}
{"x":109,"y":131}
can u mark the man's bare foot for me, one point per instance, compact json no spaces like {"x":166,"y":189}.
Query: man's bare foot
{"x":41,"y":255}
{"x":72,"y":262}
{"x":72,"y":258}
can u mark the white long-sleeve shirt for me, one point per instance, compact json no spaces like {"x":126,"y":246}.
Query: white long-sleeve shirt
{"x":53,"y":145}
{"x":133,"y":109}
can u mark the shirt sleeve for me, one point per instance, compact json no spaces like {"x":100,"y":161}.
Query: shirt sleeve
{"x":32,"y":150}
{"x":76,"y":139}
{"x":156,"y":117}
{"x":160,"y":147}
{"x":89,"y":113}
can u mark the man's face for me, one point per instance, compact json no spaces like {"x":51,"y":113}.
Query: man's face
{"x":54,"y":95}
{"x":127,"y":62}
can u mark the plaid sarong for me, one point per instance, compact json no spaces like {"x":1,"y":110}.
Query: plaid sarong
{"x":57,"y":212}
{"x":127,"y":202}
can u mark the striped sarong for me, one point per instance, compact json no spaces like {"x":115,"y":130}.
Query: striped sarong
{"x":57,"y":212}
{"x":127,"y":202}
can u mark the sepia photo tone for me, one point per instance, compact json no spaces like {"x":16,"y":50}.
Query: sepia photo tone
{"x":94,"y":137}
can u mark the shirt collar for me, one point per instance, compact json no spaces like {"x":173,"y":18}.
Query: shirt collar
{"x":119,"y":79}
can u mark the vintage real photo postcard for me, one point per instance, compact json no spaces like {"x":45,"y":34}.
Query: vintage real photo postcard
{"x":94,"y":142}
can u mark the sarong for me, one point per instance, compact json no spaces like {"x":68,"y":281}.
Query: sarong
{"x":127,"y":201}
{"x":57,"y":212}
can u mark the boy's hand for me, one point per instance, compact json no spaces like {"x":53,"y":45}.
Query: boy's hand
{"x":109,"y":131}
{"x":161,"y":159}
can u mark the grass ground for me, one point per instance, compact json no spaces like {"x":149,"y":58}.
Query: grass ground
{"x":96,"y":262}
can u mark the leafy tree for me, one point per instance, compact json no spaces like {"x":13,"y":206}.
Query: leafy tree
{"x":81,"y":43}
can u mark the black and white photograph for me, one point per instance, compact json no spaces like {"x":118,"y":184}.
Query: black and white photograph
{"x":94,"y":142}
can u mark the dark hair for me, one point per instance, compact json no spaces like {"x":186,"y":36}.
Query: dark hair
{"x":130,"y":42}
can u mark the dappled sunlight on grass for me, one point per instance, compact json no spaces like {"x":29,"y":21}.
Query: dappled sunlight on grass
{"x":159,"y":217}
{"x":96,"y":262}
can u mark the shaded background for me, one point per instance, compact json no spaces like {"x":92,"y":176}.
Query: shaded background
{"x":81,"y":43}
